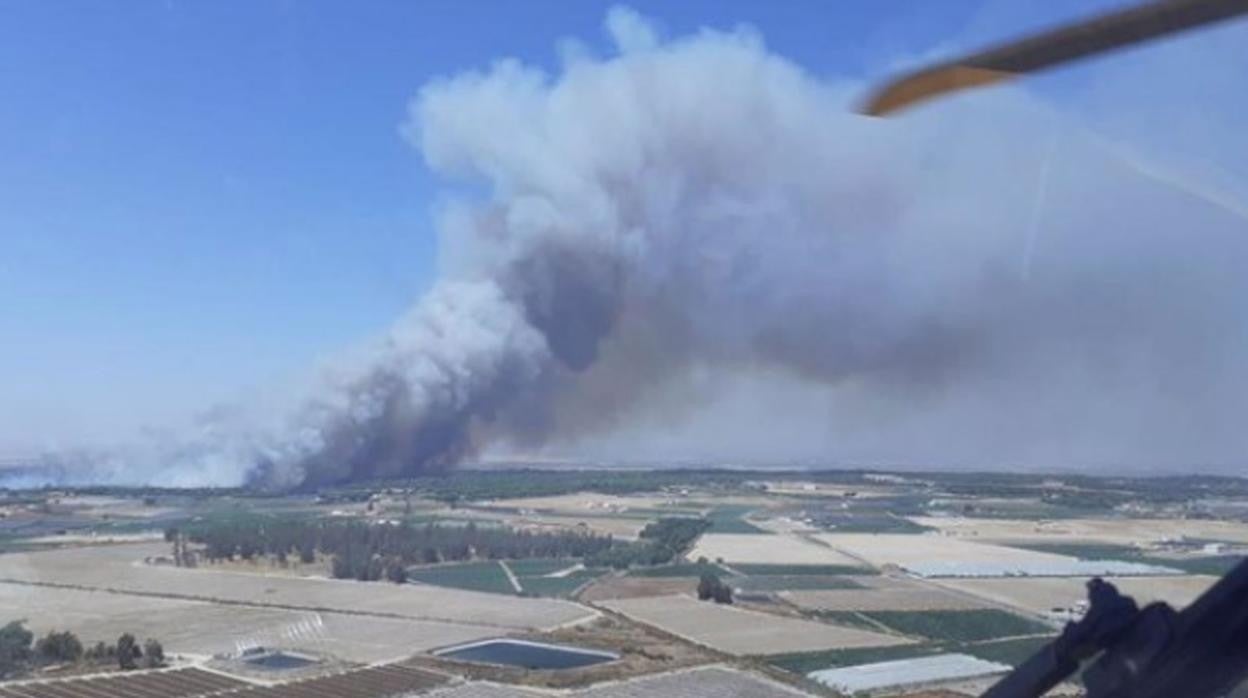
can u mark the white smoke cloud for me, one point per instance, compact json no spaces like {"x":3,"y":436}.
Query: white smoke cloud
{"x":694,"y":247}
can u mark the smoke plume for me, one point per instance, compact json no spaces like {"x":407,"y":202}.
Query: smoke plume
{"x":690,"y":246}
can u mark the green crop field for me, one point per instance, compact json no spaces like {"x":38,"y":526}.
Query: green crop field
{"x":765,"y":570}
{"x":533,"y":579}
{"x":794,"y":582}
{"x":806,"y":662}
{"x":1085,"y":551}
{"x":684,"y":569}
{"x":474,"y":576}
{"x":959,"y":626}
{"x":1212,"y":564}
{"x":851,"y":619}
{"x":868,"y":522}
{"x":1012,"y":651}
{"x":559,"y":587}
{"x":729,"y":519}
{"x":538,"y":567}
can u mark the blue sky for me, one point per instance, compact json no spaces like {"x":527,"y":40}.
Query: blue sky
{"x":197,"y":198}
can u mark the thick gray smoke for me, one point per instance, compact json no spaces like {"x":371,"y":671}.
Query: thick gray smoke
{"x":688,"y":247}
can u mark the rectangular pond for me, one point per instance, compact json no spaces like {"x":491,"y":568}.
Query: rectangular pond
{"x":526,"y":654}
{"x":279,"y":661}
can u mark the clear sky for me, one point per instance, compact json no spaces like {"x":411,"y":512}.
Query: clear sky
{"x":199,"y":197}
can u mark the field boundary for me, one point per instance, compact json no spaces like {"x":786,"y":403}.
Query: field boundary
{"x":511,"y":576}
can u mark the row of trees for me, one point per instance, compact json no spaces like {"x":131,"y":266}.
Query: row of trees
{"x":370,"y":552}
{"x":377,"y":551}
{"x":19,"y":652}
{"x":659,"y":542}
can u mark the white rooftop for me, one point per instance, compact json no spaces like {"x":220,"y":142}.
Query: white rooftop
{"x":1071,"y":568}
{"x":906,"y":672}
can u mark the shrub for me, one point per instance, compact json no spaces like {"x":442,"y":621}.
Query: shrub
{"x":59,"y":647}
{"x":128,"y":652}
{"x":153,"y":653}
{"x":15,"y":642}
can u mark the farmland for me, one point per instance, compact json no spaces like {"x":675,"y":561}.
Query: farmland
{"x":203,"y":628}
{"x":883,"y":594}
{"x":954,"y":626}
{"x":747,"y":548}
{"x":1040,"y":595}
{"x":909,"y":550}
{"x":825,"y":576}
{"x":184,"y":683}
{"x":114,"y":568}
{"x":473,"y":576}
{"x":743,"y":632}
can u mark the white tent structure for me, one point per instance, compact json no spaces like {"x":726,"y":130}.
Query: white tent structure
{"x":900,"y":673}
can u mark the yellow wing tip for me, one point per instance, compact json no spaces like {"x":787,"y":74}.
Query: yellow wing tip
{"x":926,"y":84}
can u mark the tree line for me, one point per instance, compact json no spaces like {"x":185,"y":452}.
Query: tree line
{"x":658,"y":543}
{"x":369,"y":552}
{"x":21,"y":653}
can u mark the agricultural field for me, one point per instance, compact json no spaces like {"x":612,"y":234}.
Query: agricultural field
{"x":1041,"y":595}
{"x":735,"y":548}
{"x":553,"y":578}
{"x":884,"y":594}
{"x":687,"y":569}
{"x":1118,"y":530}
{"x":586,"y":502}
{"x":824,"y":564}
{"x":731,"y":519}
{"x":200,"y":628}
{"x":742,"y":632}
{"x":772,"y":570}
{"x":1013,"y":651}
{"x":178,"y":683}
{"x":793,"y":582}
{"x":628,"y":587}
{"x":621,"y":527}
{"x":1187,"y":562}
{"x":866,"y":522}
{"x":538,"y":567}
{"x":913,"y":550}
{"x":557,"y":587}
{"x":700,"y":682}
{"x":472,"y":576}
{"x":946,"y":625}
{"x":120,"y":568}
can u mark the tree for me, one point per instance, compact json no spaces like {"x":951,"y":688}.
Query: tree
{"x":15,"y":642}
{"x":706,"y":586}
{"x":153,"y":653}
{"x":128,"y":652}
{"x":100,"y":652}
{"x":396,"y":572}
{"x":59,"y":647}
{"x":711,"y":588}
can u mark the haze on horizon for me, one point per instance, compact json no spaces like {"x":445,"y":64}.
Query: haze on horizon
{"x":679,"y":244}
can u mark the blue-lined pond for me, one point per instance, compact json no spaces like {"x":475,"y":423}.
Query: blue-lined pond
{"x":279,"y":661}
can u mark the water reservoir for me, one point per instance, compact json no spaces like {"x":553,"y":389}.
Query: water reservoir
{"x":529,"y":655}
{"x":278,"y":661}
